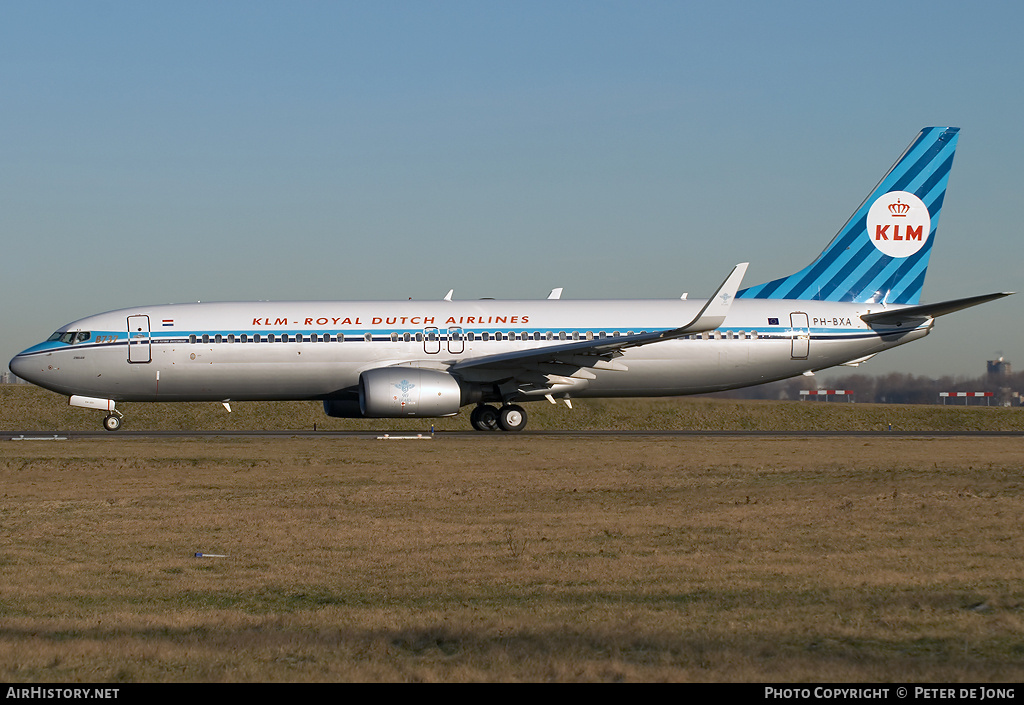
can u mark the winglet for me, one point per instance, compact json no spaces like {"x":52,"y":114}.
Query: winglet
{"x":711,"y":316}
{"x":717,"y":307}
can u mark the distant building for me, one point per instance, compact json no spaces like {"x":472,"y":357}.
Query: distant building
{"x":999,"y":372}
{"x":999,"y":368}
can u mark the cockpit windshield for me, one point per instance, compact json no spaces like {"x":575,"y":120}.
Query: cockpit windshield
{"x":70,"y":337}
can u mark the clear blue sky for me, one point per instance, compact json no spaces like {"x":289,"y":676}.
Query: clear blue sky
{"x":171,"y":152}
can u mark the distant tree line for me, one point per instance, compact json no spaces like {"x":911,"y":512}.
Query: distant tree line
{"x":892,"y":388}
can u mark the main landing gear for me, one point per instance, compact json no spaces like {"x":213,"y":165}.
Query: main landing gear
{"x":511,"y":418}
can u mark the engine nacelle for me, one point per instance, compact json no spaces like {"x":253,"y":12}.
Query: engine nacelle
{"x":389,"y":392}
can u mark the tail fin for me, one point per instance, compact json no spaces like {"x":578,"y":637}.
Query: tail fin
{"x":881,"y":254}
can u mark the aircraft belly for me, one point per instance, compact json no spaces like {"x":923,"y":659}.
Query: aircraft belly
{"x":185,"y":372}
{"x":258,"y":374}
{"x":258,"y":381}
{"x":701,"y":366}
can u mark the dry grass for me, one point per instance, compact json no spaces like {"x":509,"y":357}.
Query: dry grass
{"x":24,"y":407}
{"x":512,"y":558}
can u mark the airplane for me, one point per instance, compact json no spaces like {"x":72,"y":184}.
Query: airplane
{"x":380,"y":359}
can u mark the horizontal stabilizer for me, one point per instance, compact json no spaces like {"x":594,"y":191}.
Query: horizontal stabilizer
{"x":916,"y":313}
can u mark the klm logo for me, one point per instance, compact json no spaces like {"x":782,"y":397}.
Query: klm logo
{"x":403,"y":388}
{"x":898,"y":224}
{"x":910,"y":233}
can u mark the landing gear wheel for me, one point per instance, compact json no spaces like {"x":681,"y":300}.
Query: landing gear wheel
{"x":484,"y":418}
{"x":112,"y":423}
{"x":512,"y":418}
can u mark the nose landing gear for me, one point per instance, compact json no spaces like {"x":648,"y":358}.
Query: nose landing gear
{"x":112,"y":421}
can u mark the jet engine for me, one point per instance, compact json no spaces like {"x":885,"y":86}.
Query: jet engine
{"x":408,"y":391}
{"x":390,"y":392}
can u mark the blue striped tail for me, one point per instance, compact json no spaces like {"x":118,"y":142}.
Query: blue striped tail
{"x":882,"y":252}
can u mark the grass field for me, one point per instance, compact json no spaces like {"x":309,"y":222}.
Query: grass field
{"x":24,"y":407}
{"x":514,"y":558}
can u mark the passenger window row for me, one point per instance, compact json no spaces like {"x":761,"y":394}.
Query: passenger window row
{"x":407,"y":337}
{"x":434,"y":336}
{"x":726,"y":335}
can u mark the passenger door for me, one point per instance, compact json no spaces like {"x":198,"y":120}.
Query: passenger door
{"x":801,"y":330}
{"x":139,"y":342}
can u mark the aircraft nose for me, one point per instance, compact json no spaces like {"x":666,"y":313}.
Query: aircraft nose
{"x":22,"y":367}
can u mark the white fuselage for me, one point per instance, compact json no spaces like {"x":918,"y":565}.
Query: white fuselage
{"x":317,"y":350}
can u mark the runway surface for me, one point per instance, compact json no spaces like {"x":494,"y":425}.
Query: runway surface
{"x":408,"y":435}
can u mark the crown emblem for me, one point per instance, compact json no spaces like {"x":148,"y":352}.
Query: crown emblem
{"x":898,"y":209}
{"x":404,"y":386}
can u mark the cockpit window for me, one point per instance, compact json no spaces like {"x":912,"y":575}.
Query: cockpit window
{"x":70,"y":337}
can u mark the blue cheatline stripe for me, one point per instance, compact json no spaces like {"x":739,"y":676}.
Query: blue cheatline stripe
{"x":851,"y":268}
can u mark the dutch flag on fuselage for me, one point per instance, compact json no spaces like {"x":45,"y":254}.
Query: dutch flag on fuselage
{"x":881,"y":254}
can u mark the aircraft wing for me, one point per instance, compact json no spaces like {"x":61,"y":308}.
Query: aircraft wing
{"x":908,"y":314}
{"x":589,"y":353}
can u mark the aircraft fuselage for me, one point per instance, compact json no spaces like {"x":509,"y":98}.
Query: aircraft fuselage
{"x":317,"y":350}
